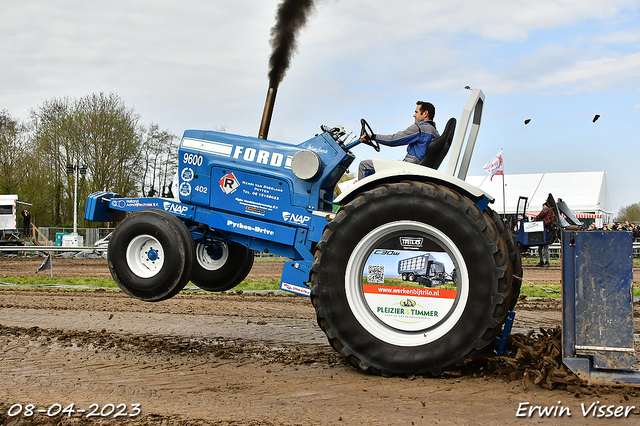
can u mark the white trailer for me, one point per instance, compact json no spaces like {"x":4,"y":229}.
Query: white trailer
{"x":8,"y":222}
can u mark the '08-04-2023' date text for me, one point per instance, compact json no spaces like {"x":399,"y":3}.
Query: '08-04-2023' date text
{"x":70,"y":410}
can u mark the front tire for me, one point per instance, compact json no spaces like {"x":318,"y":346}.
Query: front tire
{"x":151,"y":255}
{"x":385,"y":327}
{"x":221,"y":266}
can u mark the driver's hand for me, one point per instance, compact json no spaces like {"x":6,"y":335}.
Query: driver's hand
{"x":365,"y":137}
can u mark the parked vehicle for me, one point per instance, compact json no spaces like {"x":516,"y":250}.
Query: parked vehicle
{"x":9,"y":235}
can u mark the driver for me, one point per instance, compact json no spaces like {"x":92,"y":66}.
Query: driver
{"x":417,"y":137}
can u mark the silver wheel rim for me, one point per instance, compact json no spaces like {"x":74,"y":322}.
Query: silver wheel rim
{"x":363,"y":312}
{"x":209,"y":263}
{"x":145,"y":256}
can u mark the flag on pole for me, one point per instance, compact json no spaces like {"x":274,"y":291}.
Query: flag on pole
{"x":494,"y":166}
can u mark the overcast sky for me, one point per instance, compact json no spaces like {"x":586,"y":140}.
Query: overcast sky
{"x":198,"y":64}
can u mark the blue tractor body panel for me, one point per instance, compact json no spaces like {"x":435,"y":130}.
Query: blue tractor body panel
{"x":253,"y":177}
{"x":244,"y":188}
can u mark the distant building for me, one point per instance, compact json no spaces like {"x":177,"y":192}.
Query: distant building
{"x":586,"y":193}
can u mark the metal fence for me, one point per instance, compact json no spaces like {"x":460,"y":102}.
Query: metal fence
{"x":555,"y":249}
{"x":89,"y":235}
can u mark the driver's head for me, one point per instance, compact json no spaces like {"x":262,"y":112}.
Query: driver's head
{"x":425,"y":111}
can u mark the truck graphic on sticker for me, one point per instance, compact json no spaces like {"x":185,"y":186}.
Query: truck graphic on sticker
{"x":423,"y":269}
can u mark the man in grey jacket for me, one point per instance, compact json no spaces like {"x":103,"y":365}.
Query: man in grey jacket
{"x":417,"y":137}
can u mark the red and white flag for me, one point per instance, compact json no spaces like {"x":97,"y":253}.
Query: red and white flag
{"x":494,"y":166}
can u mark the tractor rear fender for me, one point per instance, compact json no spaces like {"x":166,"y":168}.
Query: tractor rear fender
{"x":391,"y":171}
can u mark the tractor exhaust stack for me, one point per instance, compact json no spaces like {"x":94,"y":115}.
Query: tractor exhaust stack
{"x":268,"y":112}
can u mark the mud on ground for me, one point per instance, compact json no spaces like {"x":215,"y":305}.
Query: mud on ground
{"x":249,"y":359}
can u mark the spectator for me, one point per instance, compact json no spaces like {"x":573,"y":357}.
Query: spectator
{"x":26,"y":223}
{"x":547,"y":216}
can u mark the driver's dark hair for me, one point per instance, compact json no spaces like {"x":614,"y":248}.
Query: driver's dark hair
{"x":427,"y":106}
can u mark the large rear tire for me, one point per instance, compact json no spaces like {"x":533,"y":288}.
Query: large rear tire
{"x":221,"y":266}
{"x":514,"y":256}
{"x":376,"y":322}
{"x":151,"y":255}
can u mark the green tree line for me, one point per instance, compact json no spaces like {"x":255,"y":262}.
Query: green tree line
{"x":630,"y":213}
{"x":99,"y":131}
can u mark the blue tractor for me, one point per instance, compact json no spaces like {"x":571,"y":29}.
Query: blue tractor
{"x":242,"y":194}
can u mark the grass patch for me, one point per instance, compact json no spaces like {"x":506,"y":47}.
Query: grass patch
{"x":552,"y":290}
{"x":270,"y":259}
{"x":258,"y":285}
{"x":94,"y":282}
{"x":544,"y":290}
{"x":109,"y":283}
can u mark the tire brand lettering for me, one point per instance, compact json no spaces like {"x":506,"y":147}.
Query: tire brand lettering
{"x":411,"y":243}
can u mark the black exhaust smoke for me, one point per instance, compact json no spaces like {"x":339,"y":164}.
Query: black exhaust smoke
{"x":290,"y":17}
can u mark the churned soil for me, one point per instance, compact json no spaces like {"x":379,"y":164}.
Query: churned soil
{"x":259,"y":359}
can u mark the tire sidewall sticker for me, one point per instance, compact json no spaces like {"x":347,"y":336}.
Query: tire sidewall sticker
{"x":371,"y":316}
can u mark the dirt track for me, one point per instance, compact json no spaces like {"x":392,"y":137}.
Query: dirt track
{"x":240,"y":359}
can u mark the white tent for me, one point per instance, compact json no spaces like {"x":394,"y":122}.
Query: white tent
{"x":586,"y":193}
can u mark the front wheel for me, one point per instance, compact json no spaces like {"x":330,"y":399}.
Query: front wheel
{"x":220,"y":266}
{"x":151,"y":255}
{"x":384,"y":325}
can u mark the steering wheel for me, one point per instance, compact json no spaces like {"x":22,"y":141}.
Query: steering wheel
{"x":366,"y":131}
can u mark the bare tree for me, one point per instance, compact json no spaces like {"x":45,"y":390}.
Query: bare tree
{"x":109,"y":143}
{"x":159,"y":161}
{"x":98,"y":131}
{"x":52,"y":123}
{"x":13,"y":154}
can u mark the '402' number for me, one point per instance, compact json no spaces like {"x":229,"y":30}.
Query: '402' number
{"x":194,"y":159}
{"x":201,"y":188}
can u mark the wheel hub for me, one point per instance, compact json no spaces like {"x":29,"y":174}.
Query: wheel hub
{"x":145,"y":256}
{"x":152,"y":254}
{"x":212,"y":257}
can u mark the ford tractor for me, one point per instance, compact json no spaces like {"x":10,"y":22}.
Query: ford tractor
{"x":241,"y":194}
